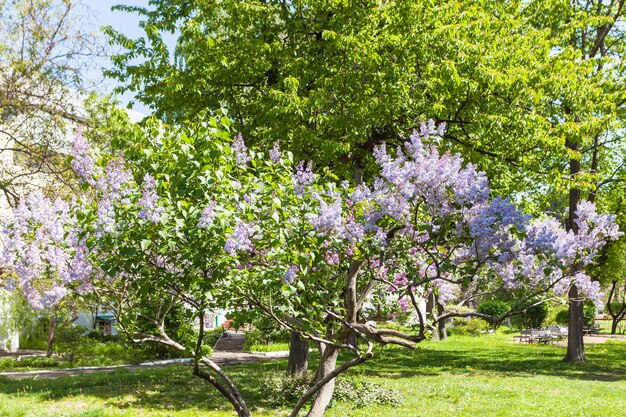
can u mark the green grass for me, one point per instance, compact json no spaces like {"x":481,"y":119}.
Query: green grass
{"x":486,"y":376}
{"x":274,"y":347}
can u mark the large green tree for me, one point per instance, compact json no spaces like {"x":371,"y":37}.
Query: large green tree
{"x":531,"y":90}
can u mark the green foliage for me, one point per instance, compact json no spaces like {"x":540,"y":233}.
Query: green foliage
{"x":332,"y":79}
{"x":533,"y":317}
{"x":494,"y":308}
{"x":360,"y":393}
{"x":273,"y":347}
{"x":212,"y":336}
{"x":283,"y":391}
{"x":561,"y":316}
{"x":589,"y":314}
{"x":70,"y":340}
{"x":473,"y":327}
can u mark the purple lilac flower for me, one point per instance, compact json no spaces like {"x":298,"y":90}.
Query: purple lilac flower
{"x":207,"y":216}
{"x":275,"y":152}
{"x":43,"y":252}
{"x":239,"y":240}
{"x":404,"y":304}
{"x":302,"y":177}
{"x":242,"y":156}
{"x":83,"y":163}
{"x":445,"y":291}
{"x":332,"y":258}
{"x":150,"y":210}
{"x":290,"y":274}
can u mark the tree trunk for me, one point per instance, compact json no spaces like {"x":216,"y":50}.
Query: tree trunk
{"x":443,"y":335}
{"x":327,"y":364}
{"x":298,"y":357}
{"x":614,"y":324}
{"x":52,"y":325}
{"x":575,"y":345}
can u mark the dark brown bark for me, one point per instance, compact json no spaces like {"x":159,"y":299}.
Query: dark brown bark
{"x":298,"y":357}
{"x":327,"y":364}
{"x":620,"y":314}
{"x":441,"y":325}
{"x":52,"y":327}
{"x":575,"y":345}
{"x":614,"y":324}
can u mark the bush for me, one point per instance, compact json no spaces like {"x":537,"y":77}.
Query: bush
{"x":589,"y":314}
{"x":494,"y":308}
{"x":70,"y":340}
{"x":281,"y":391}
{"x":474,"y":327}
{"x":533,"y":317}
{"x":212,"y":336}
{"x":562,"y":316}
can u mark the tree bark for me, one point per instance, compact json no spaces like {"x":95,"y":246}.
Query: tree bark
{"x":298,"y":357}
{"x":441,"y":325}
{"x":327,"y":364}
{"x":575,"y":345}
{"x":614,"y":324}
{"x":52,"y":326}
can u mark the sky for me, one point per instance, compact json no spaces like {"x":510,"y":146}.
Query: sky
{"x":126,"y":23}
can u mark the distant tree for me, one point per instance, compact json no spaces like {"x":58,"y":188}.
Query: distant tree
{"x":45,"y":50}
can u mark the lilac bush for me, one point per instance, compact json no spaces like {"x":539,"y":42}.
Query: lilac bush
{"x":203,"y":222}
{"x":43,"y":251}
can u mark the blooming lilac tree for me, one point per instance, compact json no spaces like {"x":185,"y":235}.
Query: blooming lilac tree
{"x":187,"y":218}
{"x":45,"y":259}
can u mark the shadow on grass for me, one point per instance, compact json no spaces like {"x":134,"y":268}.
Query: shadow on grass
{"x":174,"y":388}
{"x":604,"y":362}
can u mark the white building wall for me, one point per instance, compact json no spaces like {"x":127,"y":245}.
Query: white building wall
{"x":9,"y":337}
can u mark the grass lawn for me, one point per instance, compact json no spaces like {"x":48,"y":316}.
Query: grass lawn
{"x":486,"y":376}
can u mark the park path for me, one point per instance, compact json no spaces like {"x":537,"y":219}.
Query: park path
{"x":228,"y":351}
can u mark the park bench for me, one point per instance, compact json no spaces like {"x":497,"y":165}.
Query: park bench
{"x":545,"y":336}
{"x":595,"y":329}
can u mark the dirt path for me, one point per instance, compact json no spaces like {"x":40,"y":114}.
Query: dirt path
{"x":227,"y":351}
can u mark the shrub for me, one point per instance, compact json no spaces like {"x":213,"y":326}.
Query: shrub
{"x":212,"y":336}
{"x":589,"y":314}
{"x":70,"y":340}
{"x":474,"y":327}
{"x":493,"y":308}
{"x":274,"y":347}
{"x":533,"y":317}
{"x":562,"y":316}
{"x":283,"y":391}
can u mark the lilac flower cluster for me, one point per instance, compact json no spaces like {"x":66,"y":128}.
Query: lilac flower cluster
{"x":424,"y":197}
{"x":150,"y":210}
{"x":290,"y":274}
{"x":114,"y":183}
{"x":303,"y":177}
{"x":240,"y":239}
{"x":242,"y":156}
{"x":275,"y":152}
{"x":83,"y":163}
{"x":44,"y":252}
{"x":207,"y":216}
